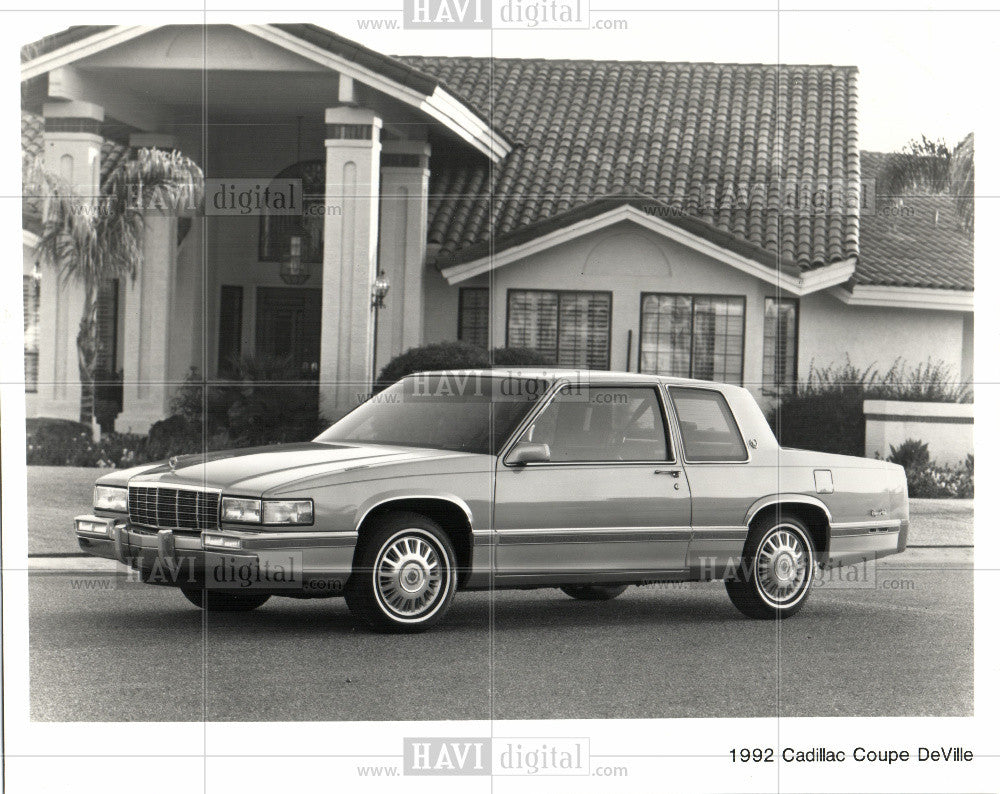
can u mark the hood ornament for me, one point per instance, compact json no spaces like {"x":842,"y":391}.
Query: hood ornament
{"x":172,"y":462}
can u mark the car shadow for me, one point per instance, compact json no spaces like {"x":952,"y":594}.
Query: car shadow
{"x":506,"y":611}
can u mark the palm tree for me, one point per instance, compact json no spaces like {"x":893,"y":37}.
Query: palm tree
{"x":930,"y":166}
{"x":93,"y":242}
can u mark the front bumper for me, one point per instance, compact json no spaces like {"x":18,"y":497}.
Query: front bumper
{"x":289,"y":563}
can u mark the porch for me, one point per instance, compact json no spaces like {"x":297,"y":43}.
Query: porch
{"x":254,"y":106}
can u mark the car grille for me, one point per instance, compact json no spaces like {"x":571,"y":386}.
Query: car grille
{"x":173,"y":508}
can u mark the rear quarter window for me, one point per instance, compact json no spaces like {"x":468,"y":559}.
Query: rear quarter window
{"x":708,"y":428}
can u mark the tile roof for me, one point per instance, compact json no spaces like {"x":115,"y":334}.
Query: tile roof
{"x":590,"y":135}
{"x":919,"y":244}
{"x":586,"y":130}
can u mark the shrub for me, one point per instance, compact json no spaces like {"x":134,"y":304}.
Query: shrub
{"x":455,"y":355}
{"x":267,"y":403}
{"x":198,"y":401}
{"x":174,"y":435}
{"x":440,"y":355}
{"x":518,"y":357}
{"x":271,"y":404}
{"x":934,"y":481}
{"x":826,"y":413}
{"x":911,"y":454}
{"x":59,"y":442}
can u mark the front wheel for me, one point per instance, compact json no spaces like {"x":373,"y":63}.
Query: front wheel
{"x":776,"y":573}
{"x":404,"y":575}
{"x":594,"y":592}
{"x":223,"y":601}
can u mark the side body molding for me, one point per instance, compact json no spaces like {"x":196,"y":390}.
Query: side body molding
{"x":399,"y":496}
{"x":785,"y":498}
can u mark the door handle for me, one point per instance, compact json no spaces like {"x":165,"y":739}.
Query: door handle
{"x":675,"y":473}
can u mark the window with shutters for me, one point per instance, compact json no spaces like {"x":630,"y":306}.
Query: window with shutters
{"x":32,"y":317}
{"x":105,"y":363}
{"x":474,"y":316}
{"x":230,"y":328}
{"x":781,"y":344}
{"x":692,"y":336}
{"x":571,"y":329}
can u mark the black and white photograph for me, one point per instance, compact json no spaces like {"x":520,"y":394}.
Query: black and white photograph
{"x":557,"y":395}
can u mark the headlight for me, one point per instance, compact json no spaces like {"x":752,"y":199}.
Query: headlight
{"x":109,"y":497}
{"x":298,"y":511}
{"x":240,"y":511}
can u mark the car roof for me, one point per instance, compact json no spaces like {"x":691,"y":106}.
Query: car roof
{"x":587,"y":376}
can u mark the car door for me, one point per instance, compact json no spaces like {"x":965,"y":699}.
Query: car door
{"x":725,"y":479}
{"x":612,"y":503}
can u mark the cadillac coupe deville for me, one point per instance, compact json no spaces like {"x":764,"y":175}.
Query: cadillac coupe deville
{"x":585,"y":481}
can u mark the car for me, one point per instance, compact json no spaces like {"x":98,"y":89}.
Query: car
{"x":527,"y":478}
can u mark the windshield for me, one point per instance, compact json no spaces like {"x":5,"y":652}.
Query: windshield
{"x":459,"y":411}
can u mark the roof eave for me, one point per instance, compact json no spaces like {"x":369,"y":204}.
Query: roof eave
{"x":648,"y":213}
{"x":383,"y":73}
{"x":895,"y":297}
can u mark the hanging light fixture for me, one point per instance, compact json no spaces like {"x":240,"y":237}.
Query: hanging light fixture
{"x":294,"y":267}
{"x":380,"y":288}
{"x":294,"y":264}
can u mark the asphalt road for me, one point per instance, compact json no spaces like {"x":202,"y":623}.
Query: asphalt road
{"x":899,"y":645}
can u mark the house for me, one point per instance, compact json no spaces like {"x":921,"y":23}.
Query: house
{"x":694,"y":219}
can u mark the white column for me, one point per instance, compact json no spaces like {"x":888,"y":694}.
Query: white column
{"x":151,"y":316}
{"x":403,"y":245}
{"x":350,"y":245}
{"x":72,"y":151}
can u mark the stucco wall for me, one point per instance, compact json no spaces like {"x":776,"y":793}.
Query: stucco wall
{"x":829,"y":329}
{"x":629,"y":261}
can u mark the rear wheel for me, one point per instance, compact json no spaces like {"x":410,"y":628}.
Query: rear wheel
{"x":223,"y":601}
{"x":776,"y":573}
{"x":404,"y":576}
{"x":594,"y":592}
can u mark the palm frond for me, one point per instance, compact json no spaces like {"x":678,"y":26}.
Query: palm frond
{"x":154,"y":178}
{"x":922,"y":166}
{"x":963,"y":182}
{"x":929,"y":167}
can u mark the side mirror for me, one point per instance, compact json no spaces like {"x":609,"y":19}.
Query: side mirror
{"x":527,"y":452}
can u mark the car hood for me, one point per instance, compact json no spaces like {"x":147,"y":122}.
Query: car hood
{"x":259,"y":469}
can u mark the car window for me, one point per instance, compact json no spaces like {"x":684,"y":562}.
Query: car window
{"x":591,"y":424}
{"x":708,"y":429}
{"x":454,"y":411}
